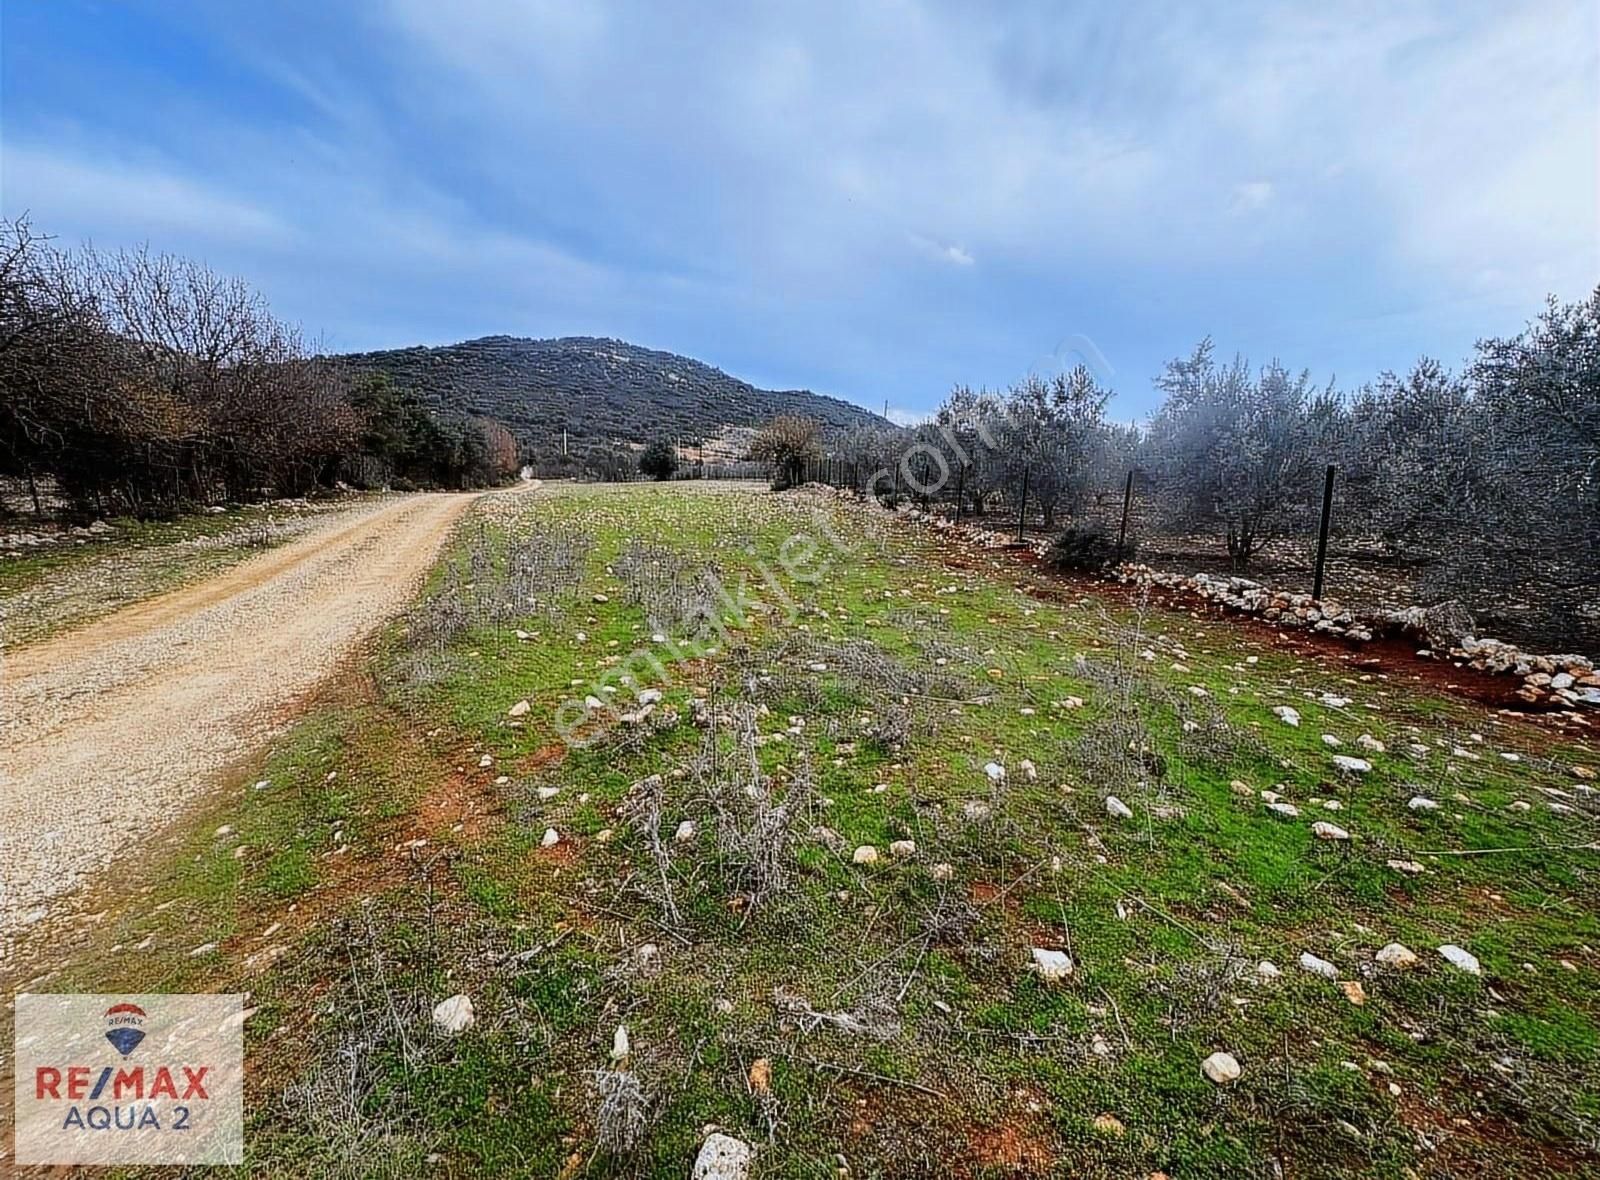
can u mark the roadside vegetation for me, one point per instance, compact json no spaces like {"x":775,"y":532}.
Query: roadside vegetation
{"x":1099,"y":856}
{"x":53,"y":587}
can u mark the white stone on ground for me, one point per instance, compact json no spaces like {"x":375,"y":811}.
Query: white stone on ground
{"x":1353,"y":765}
{"x":1052,"y":965}
{"x":995,"y":771}
{"x":1117,"y":809}
{"x":1221,"y":1068}
{"x":1421,"y":803}
{"x":722,"y":1157}
{"x":685,"y":832}
{"x":1288,"y":810}
{"x":1317,"y":966}
{"x":903,"y":848}
{"x":1461,"y":959}
{"x":454,"y":1015}
{"x":620,"y":1047}
{"x":1396,"y":955}
{"x":1267,"y":969}
{"x":519,"y":709}
{"x":1327,"y":831}
{"x":865,"y":855}
{"x":1287,"y":714}
{"x":551,"y":838}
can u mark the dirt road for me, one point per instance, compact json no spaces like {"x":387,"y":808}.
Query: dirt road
{"x":108,"y":732}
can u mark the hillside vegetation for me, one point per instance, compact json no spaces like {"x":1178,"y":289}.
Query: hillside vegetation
{"x":599,"y":391}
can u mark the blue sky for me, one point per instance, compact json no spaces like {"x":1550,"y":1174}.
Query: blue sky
{"x":874,"y":200}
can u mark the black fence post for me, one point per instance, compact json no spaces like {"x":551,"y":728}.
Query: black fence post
{"x":961,"y":483}
{"x":1322,"y":531}
{"x":1127,"y":503}
{"x":1022,"y":511}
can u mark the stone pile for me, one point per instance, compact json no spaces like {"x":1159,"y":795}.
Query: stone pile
{"x":1561,"y":681}
{"x":1557,"y":681}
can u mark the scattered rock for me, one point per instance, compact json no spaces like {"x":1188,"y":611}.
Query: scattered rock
{"x":1398,"y":956}
{"x":1461,"y":959}
{"x":551,"y":838}
{"x":1287,"y":810}
{"x":454,"y":1015}
{"x":995,"y":771}
{"x":1351,"y":765}
{"x":1327,"y":831}
{"x":1053,"y":966}
{"x":1422,"y":803}
{"x":1221,"y":1068}
{"x":865,"y":855}
{"x":1317,"y":966}
{"x":686,"y":832}
{"x":1354,"y":992}
{"x":903,"y":848}
{"x":1117,"y":809}
{"x":520,"y":709}
{"x":620,"y":1045}
{"x":1267,"y":969}
{"x":1288,"y":715}
{"x":722,"y":1157}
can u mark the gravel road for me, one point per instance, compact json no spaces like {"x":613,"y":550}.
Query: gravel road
{"x":108,"y":732}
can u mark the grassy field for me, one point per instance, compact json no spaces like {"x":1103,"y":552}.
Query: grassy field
{"x":857,"y":686}
{"x":56,"y":587}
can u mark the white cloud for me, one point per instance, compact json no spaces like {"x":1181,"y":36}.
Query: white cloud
{"x":128,"y":198}
{"x":1252,"y":195}
{"x":946,"y":252}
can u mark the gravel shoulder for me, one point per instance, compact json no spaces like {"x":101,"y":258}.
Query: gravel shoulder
{"x":108,"y":731}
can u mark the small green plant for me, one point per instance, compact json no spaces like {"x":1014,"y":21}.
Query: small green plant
{"x":1089,"y":549}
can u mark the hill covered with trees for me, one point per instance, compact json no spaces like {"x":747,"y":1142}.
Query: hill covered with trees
{"x":601,"y":392}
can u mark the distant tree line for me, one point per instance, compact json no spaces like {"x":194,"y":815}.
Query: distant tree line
{"x":141,"y":383}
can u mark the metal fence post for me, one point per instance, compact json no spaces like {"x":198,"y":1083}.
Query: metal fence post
{"x":1022,"y":511}
{"x":1127,"y":503}
{"x":1322,"y":532}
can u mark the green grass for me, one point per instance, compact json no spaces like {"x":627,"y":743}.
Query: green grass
{"x":972,"y":1064}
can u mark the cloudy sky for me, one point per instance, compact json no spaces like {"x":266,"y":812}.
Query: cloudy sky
{"x":869,"y":199}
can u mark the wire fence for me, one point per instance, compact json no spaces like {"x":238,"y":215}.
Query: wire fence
{"x":1323,"y":539}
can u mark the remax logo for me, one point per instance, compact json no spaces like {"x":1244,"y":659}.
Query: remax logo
{"x":107,"y":1080}
{"x":125,"y":1027}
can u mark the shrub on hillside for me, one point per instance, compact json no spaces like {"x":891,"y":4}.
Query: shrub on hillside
{"x":1089,"y":549}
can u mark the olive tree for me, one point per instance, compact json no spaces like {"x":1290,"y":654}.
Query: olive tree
{"x":1238,"y":451}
